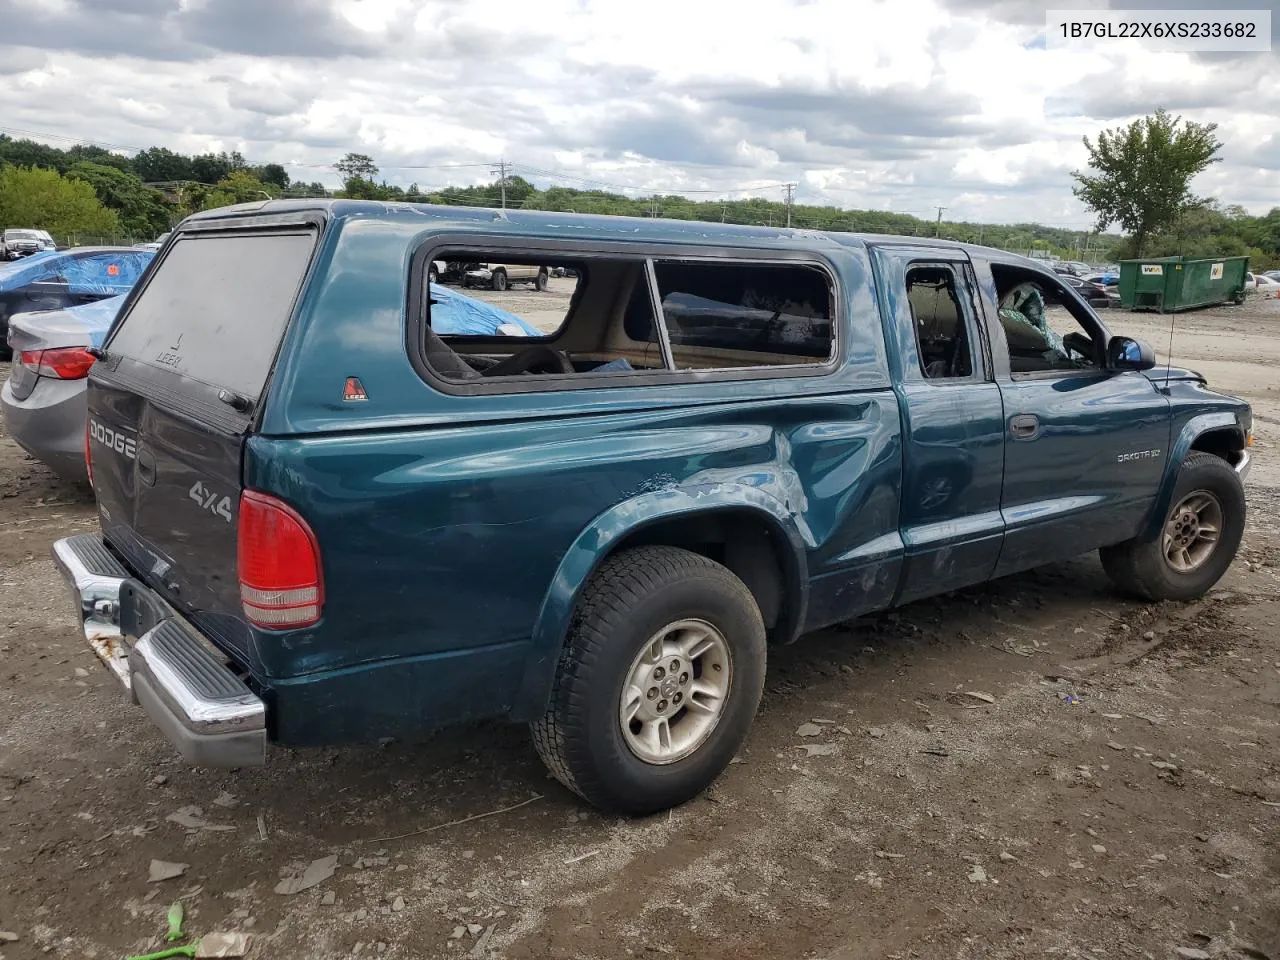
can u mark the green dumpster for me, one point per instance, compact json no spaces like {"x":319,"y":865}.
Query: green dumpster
{"x":1169,"y":284}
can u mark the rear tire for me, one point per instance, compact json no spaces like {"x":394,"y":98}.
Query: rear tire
{"x":499,"y":280}
{"x":541,"y":282}
{"x":1182,"y":562}
{"x":644,"y":610}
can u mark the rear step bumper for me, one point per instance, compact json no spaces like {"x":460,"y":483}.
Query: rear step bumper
{"x":200,"y":704}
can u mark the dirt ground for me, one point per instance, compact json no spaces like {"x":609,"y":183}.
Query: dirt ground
{"x":1113,"y":793}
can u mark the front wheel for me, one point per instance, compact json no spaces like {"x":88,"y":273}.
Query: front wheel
{"x":499,"y":280}
{"x":659,"y":680}
{"x":1197,"y":542}
{"x":541,"y":281}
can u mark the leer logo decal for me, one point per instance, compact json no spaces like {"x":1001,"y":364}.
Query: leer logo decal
{"x":209,"y":500}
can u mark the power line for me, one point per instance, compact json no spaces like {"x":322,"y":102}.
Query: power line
{"x":541,"y":172}
{"x":501,"y":170}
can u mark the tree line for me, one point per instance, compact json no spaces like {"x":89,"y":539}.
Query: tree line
{"x":89,"y":191}
{"x":1138,"y":179}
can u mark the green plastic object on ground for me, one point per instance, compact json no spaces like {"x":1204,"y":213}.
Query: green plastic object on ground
{"x":188,"y":951}
{"x":1170,"y":284}
{"x":175,"y":922}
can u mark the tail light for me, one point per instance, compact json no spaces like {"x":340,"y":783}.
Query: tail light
{"x":63,"y":363}
{"x":281,"y":585}
{"x":88,"y":453}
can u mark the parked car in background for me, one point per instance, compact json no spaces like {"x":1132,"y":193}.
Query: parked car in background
{"x":1261,"y":285}
{"x":1103,"y":278}
{"x":17,"y":243}
{"x":1097,"y":294}
{"x":1072,"y":268}
{"x":1273,"y":274}
{"x":54,"y":280}
{"x":155,"y":244}
{"x":43,"y":399}
{"x":501,"y":275}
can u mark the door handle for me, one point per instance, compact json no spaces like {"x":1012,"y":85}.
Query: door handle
{"x":1025,"y":426}
{"x":146,"y":468}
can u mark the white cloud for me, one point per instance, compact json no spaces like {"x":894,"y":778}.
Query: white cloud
{"x":886,"y":104}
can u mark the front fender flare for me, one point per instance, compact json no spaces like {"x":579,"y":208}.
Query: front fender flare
{"x":1196,"y":427}
{"x":601,"y":537}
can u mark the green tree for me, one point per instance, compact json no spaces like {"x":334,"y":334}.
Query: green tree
{"x":142,"y":209}
{"x":99,"y":155}
{"x":45,"y":200}
{"x":1144,"y":172}
{"x":238,"y":186}
{"x":28,"y":153}
{"x":213,"y":167}
{"x":160,"y":165}
{"x":274,"y":173}
{"x":356,"y":165}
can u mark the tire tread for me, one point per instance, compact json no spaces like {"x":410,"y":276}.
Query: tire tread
{"x":1137,"y":565}
{"x":619,"y":584}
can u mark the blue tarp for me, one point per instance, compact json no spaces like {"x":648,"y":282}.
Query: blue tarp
{"x":18,"y":272}
{"x":454,"y":313}
{"x":102,"y":275}
{"x":93,"y":318}
{"x":97,"y":316}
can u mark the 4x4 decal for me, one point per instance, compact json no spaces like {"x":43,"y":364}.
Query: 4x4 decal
{"x":210,"y":501}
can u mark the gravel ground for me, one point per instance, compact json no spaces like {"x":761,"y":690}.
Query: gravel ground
{"x":1114,"y":791}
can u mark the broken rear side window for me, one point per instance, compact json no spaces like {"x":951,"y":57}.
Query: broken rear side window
{"x":523,"y":314}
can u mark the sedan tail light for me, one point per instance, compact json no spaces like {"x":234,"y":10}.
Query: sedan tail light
{"x":63,"y":363}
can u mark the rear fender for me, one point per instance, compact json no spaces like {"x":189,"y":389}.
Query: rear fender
{"x":602,"y":536}
{"x":1194,"y":428}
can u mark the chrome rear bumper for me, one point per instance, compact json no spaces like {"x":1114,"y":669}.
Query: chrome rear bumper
{"x":196,"y":699}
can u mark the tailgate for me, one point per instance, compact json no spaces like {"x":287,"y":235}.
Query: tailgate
{"x":171,"y":402}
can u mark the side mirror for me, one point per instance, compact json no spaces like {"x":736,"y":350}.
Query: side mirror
{"x":1125,"y":353}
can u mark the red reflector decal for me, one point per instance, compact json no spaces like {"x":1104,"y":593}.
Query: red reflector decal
{"x":354,"y":390}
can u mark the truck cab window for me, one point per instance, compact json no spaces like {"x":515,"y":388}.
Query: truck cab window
{"x":938,"y":318}
{"x":1045,"y":327}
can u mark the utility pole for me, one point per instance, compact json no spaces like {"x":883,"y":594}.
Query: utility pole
{"x":501,"y":171}
{"x":791,"y":195}
{"x":982,"y":227}
{"x":937,"y":229}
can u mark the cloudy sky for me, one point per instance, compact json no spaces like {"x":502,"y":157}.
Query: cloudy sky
{"x":901,"y":105}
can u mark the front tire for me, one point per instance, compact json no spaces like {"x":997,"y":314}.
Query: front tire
{"x":661,"y":675}
{"x":541,"y":282}
{"x":499,"y":280}
{"x":1197,"y":541}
